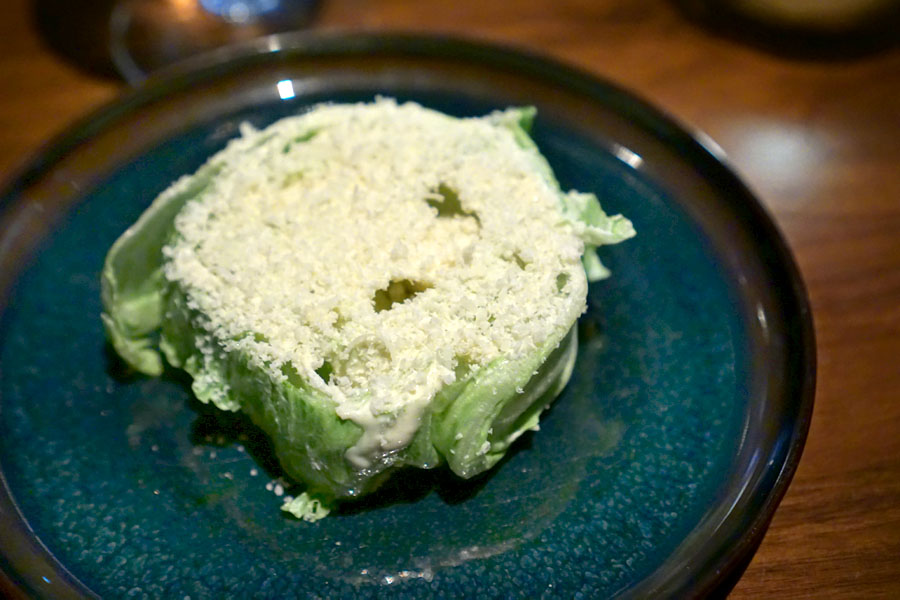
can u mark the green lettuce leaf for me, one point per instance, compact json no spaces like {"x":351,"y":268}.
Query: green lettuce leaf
{"x":593,"y":225}
{"x":132,"y":283}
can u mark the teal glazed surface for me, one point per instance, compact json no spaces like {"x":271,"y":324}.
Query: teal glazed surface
{"x":138,"y":491}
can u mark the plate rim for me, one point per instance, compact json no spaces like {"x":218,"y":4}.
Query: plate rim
{"x":720,"y":563}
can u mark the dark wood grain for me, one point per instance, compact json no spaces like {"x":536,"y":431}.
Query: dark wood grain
{"x":819,"y":141}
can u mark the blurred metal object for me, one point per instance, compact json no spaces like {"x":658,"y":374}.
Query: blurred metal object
{"x":145,"y":35}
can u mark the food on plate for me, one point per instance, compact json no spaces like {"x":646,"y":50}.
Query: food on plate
{"x":376,"y":285}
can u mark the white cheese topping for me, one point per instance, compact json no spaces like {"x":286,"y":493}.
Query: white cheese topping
{"x":377,"y":248}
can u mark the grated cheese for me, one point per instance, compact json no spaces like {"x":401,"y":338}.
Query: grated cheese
{"x":314,"y":222}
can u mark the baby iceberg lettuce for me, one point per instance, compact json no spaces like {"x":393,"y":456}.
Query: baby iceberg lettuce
{"x":376,"y":285}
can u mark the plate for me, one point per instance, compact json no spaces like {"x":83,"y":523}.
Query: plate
{"x":654,"y":474}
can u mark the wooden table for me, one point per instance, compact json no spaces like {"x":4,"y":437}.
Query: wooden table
{"x":818,"y":141}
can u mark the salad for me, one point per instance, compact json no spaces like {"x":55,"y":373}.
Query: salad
{"x":376,"y":285}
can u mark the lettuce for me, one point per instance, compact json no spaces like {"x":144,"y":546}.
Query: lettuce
{"x":593,"y":225}
{"x":469,"y":425}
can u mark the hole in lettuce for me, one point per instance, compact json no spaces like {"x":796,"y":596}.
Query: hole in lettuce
{"x":448,"y":205}
{"x":325,"y":371}
{"x":398,"y":291}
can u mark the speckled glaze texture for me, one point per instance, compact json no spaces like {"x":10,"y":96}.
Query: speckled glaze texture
{"x":141,"y":492}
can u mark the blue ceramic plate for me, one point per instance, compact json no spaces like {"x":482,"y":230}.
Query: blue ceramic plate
{"x":655,"y":473}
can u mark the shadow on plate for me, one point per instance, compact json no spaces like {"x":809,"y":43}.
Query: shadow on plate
{"x":212,"y":427}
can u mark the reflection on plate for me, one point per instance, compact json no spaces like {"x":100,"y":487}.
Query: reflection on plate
{"x":654,"y":473}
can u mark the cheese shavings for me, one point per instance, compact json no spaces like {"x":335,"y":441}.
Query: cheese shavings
{"x":379,"y":251}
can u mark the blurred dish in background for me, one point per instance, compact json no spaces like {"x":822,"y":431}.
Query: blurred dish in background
{"x":145,"y":35}
{"x":825,"y":29}
{"x":132,"y":38}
